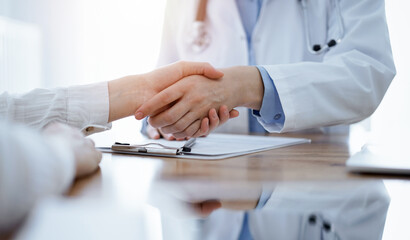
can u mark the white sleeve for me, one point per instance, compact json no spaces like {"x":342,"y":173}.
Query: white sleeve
{"x":78,"y":106}
{"x":351,"y":81}
{"x":31,"y":167}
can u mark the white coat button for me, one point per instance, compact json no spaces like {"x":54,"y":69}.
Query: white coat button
{"x":277,"y":116}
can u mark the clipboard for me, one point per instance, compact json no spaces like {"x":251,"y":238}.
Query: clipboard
{"x":213,"y":147}
{"x":154,"y":148}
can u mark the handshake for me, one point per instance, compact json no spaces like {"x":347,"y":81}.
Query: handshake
{"x":182,"y":99}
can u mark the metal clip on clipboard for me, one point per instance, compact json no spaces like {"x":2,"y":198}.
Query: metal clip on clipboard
{"x":154,"y":148}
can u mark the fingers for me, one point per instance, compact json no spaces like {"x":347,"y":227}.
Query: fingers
{"x":223,"y":114}
{"x":207,"y":207}
{"x":198,"y":68}
{"x":167,"y":136}
{"x":152,"y":132}
{"x":156,"y":133}
{"x":214,"y":120}
{"x":87,"y":158}
{"x":233,"y":113}
{"x":177,"y":118}
{"x":179,"y":125}
{"x":208,"y":125}
{"x":159,"y":101}
{"x":204,"y":128}
{"x":168,"y":75}
{"x":189,"y":131}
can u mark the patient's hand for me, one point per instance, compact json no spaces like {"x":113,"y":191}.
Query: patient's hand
{"x":181,"y":108}
{"x":85,"y":155}
{"x":208,"y":124}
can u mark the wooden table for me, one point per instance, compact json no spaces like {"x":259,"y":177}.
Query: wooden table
{"x":323,"y":159}
{"x":130,"y":180}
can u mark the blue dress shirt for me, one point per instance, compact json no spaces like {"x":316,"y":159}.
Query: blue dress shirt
{"x":245,"y":233}
{"x":271,"y":111}
{"x":271,"y":105}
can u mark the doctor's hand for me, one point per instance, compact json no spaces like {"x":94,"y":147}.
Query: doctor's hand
{"x":208,"y":124}
{"x":128,"y":93}
{"x":180,"y":109}
{"x":86,"y":157}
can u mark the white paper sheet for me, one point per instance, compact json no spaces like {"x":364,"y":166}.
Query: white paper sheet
{"x":219,"y":146}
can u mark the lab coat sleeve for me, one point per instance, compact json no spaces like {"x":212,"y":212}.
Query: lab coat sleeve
{"x":78,"y":106}
{"x":350,"y":82}
{"x":31,"y":167}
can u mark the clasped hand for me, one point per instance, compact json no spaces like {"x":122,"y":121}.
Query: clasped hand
{"x":184,"y":108}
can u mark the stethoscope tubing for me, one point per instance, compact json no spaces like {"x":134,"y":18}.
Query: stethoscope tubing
{"x":199,"y":29}
{"x":332,"y":42}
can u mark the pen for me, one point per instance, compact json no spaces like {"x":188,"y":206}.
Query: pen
{"x":188,"y":145}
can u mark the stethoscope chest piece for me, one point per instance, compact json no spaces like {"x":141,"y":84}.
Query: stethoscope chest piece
{"x":199,"y":38}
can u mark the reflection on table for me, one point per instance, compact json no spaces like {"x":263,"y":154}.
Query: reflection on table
{"x":311,"y":210}
{"x":298,"y":192}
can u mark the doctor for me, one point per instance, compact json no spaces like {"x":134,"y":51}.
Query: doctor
{"x":312,"y":63}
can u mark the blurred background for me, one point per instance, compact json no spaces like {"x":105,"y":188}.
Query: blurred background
{"x":49,"y":43}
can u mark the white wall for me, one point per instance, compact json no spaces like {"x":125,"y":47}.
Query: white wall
{"x":20,"y":55}
{"x":392,"y":118}
{"x":86,"y":41}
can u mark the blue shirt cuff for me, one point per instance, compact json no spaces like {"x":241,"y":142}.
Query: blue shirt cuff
{"x":271,"y":112}
{"x":263,"y":199}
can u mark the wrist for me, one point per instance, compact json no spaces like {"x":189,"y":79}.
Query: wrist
{"x":248,"y":87}
{"x":125,"y":96}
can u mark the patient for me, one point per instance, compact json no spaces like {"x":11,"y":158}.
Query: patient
{"x":41,"y":148}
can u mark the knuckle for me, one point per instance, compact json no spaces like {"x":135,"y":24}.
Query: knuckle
{"x":166,"y":130}
{"x":189,"y":132}
{"x":196,"y":99}
{"x":167,"y":118}
{"x":178,"y":127}
{"x":165,"y":97}
{"x":182,"y":66}
{"x":179,"y":135}
{"x":152,"y":121}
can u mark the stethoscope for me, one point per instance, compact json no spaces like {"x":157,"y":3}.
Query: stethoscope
{"x":327,"y":230}
{"x":320,"y":48}
{"x":200,"y":39}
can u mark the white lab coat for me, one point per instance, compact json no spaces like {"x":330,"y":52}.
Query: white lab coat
{"x":341,"y":86}
{"x":356,"y":210}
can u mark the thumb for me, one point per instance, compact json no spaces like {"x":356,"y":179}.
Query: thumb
{"x":201,"y":68}
{"x":168,"y":75}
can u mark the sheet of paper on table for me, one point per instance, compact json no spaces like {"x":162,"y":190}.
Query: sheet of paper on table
{"x":220,"y":146}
